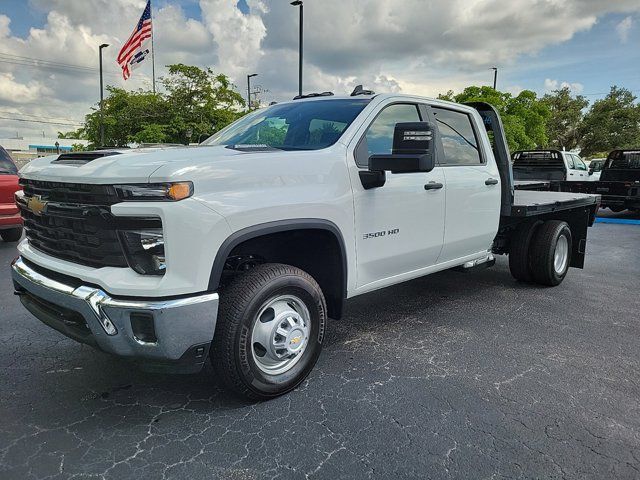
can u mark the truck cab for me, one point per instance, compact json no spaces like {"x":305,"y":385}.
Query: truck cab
{"x":239,"y":250}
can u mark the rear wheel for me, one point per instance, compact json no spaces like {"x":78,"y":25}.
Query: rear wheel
{"x":550,"y":253}
{"x":519,"y":264}
{"x":269,"y":332}
{"x":11,"y":235}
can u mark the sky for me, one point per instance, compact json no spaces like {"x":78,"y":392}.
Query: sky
{"x":422,"y":47}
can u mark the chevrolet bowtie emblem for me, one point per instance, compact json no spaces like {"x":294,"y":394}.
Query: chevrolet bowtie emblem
{"x":295,"y":340}
{"x":36,"y":205}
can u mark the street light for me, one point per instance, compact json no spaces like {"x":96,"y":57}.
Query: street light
{"x":249,"y":90}
{"x":495,"y":76}
{"x":298,"y":3}
{"x":103,"y":46}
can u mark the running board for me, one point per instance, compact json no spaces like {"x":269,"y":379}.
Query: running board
{"x":478,"y":264}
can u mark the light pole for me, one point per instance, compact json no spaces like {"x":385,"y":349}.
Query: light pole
{"x":298,"y":3}
{"x":249,"y":90}
{"x":495,"y":77}
{"x":103,"y":46}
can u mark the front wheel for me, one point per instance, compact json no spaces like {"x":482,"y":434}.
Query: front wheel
{"x":269,"y":332}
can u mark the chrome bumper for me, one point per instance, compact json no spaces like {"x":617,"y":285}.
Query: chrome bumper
{"x":175,"y":332}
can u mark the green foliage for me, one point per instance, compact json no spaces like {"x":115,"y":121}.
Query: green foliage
{"x":78,"y":147}
{"x":79,"y":134}
{"x":611,"y":123}
{"x":524,"y":116}
{"x":195,"y":104}
{"x":563,"y":125}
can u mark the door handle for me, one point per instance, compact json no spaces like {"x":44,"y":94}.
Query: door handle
{"x":491,"y":181}
{"x":433,"y":186}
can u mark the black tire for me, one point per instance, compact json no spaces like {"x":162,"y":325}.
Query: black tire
{"x":543,"y":249}
{"x":519,"y":246}
{"x":240,"y":303}
{"x":11,"y":235}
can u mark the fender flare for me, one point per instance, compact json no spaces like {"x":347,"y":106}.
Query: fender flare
{"x":278,"y":226}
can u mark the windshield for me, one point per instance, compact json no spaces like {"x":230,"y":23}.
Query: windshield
{"x":309,"y":125}
{"x":6,"y":165}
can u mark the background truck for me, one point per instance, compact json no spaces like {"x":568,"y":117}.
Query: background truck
{"x":10,"y":219}
{"x":619,"y":183}
{"x":536,"y":168}
{"x":241,"y":248}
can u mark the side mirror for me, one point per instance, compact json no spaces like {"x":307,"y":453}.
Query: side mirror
{"x":413,"y":150}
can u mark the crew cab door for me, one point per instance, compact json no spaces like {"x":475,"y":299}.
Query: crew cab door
{"x":473,"y":193}
{"x":398,"y":226}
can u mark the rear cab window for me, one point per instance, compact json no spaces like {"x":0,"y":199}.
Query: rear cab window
{"x":624,"y":160}
{"x":538,"y":159}
{"x":459,"y":138}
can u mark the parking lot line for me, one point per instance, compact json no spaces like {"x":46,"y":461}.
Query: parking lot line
{"x":626,"y":221}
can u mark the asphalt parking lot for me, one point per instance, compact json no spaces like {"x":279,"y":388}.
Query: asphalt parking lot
{"x":450,"y":376}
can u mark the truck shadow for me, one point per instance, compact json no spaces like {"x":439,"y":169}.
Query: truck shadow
{"x":388,"y":310}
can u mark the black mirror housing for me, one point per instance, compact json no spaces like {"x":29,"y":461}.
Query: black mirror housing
{"x":413,"y":150}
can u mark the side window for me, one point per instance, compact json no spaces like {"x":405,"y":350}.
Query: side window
{"x":379,"y":136}
{"x":570,"y":162}
{"x":579,"y":163}
{"x":458,"y":137}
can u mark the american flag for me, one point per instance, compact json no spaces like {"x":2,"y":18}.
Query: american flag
{"x":134,"y":51}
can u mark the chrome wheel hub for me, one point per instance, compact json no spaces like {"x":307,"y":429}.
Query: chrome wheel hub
{"x":561,"y":255}
{"x":280,"y":334}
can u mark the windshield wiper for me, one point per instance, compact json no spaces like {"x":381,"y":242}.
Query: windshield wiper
{"x":252,"y":147}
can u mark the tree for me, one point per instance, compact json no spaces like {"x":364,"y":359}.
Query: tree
{"x":74,"y":134}
{"x":524,"y":116}
{"x":611,"y":123}
{"x":201,"y":102}
{"x":196,"y":103}
{"x":565,"y":119}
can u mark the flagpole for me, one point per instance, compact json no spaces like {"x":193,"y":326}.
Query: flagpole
{"x":153,"y":49}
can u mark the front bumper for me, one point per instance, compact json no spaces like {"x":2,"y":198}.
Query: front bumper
{"x":8,"y":221}
{"x":163,"y":334}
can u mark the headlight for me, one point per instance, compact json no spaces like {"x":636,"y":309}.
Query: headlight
{"x":145,"y":251}
{"x":155,"y":191}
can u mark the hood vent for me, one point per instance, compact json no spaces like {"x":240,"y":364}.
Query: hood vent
{"x":82,"y":158}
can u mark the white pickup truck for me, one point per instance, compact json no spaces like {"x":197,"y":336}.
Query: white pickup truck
{"x":241,"y":248}
{"x":548,"y":165}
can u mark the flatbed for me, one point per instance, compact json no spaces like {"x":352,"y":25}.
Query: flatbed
{"x":527,"y":203}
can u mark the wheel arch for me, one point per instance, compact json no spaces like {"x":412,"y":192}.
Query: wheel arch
{"x":335,"y":292}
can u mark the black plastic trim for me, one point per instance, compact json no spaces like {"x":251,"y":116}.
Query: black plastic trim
{"x":255,"y":231}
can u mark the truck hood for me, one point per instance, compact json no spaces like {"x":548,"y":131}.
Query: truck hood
{"x":126,"y":165}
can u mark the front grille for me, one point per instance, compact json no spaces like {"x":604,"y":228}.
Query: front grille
{"x":76,"y":223}
{"x":71,"y":192}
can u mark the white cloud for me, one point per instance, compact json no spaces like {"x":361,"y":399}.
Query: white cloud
{"x":15,"y":92}
{"x":412,"y":46}
{"x":551,"y":85}
{"x":237,"y":36}
{"x":623,"y":28}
